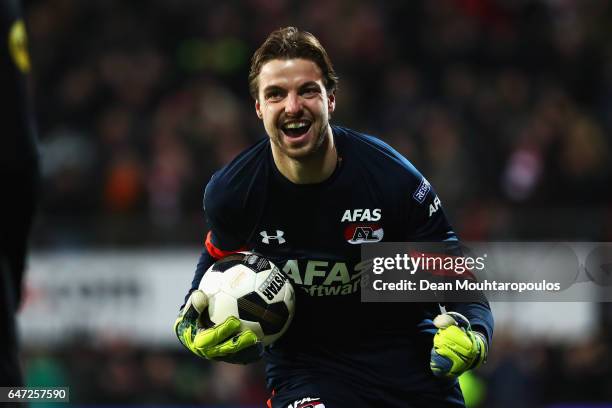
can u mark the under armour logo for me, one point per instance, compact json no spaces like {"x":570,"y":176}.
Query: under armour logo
{"x":279,"y":237}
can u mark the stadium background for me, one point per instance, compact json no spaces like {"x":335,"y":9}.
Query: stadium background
{"x":504,"y":105}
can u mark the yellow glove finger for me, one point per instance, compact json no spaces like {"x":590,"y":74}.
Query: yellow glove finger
{"x":206,"y":339}
{"x":233,"y":345}
{"x":460,"y":361}
{"x":185,"y":325}
{"x":184,"y":330}
{"x":455,"y":339}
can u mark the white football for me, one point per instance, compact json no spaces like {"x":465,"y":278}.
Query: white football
{"x":251,"y":288}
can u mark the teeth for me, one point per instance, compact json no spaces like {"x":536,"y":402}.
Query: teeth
{"x":295,"y":125}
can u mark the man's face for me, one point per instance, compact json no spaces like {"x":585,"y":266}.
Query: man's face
{"x":294,"y":106}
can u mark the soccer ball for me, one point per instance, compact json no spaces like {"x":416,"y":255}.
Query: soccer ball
{"x":253,"y":289}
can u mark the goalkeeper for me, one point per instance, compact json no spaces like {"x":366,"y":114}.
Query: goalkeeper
{"x":307,"y":197}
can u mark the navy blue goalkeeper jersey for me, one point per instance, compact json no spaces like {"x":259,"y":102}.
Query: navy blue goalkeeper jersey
{"x":314,"y":233}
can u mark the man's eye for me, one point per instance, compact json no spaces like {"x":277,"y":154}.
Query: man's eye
{"x":309,"y":92}
{"x":275,"y":95}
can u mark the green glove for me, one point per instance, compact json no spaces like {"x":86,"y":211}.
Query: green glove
{"x":456,"y":348}
{"x":222,"y":342}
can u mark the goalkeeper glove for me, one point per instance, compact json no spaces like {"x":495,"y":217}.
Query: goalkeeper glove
{"x":456,"y":348}
{"x":222,"y":342}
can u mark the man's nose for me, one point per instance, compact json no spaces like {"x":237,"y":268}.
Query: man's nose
{"x":293,"y":105}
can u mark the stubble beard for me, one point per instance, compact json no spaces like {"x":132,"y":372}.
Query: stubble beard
{"x":303,"y":153}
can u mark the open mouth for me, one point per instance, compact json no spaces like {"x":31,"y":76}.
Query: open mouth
{"x":296,"y":129}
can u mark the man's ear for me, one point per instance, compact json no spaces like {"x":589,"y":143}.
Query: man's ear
{"x":258,"y":109}
{"x":331,"y":102}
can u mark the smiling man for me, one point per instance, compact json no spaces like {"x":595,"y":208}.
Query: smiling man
{"x":292,"y":99}
{"x":308,"y":197}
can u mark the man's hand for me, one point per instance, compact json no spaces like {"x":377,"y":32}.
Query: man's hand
{"x":222,"y":342}
{"x":456,"y":348}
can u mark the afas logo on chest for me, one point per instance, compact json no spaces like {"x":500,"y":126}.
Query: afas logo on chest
{"x":361,"y":214}
{"x":363,"y":227}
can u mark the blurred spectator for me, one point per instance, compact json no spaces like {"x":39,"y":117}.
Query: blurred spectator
{"x":494,"y":100}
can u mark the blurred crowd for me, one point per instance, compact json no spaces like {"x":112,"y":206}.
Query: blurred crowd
{"x":504,"y":105}
{"x":121,"y":373}
{"x":519,"y":373}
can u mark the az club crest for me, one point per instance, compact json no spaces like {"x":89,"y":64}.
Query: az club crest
{"x":363,"y":233}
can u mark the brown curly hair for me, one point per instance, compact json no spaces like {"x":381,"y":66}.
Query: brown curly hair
{"x":288,"y":43}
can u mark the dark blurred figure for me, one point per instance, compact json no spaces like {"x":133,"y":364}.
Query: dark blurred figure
{"x":19,"y":174}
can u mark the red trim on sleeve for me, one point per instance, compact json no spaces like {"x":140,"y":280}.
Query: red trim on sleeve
{"x":269,"y":401}
{"x":216,"y":252}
